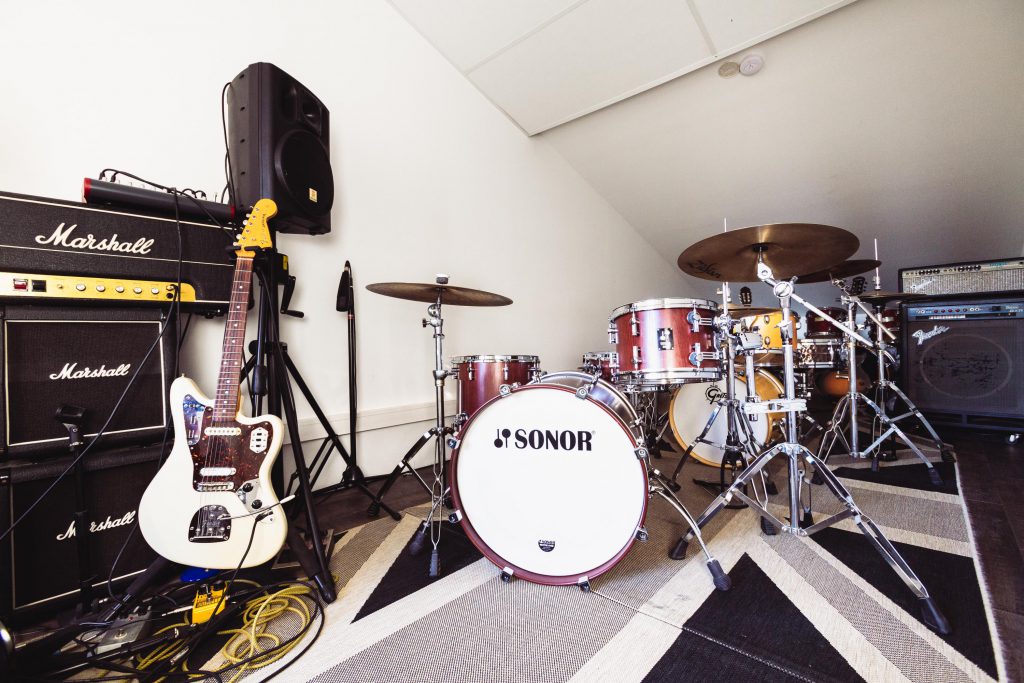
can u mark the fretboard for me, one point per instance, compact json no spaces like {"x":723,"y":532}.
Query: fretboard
{"x":226,"y":403}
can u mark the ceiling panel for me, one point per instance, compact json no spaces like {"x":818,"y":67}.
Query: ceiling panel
{"x":469,"y":31}
{"x":735,"y":24}
{"x":600,"y":52}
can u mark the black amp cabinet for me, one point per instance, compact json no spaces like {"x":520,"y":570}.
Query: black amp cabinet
{"x":963,"y":361}
{"x":85,"y":357}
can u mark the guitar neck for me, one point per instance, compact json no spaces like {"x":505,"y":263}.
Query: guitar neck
{"x":226,"y":403}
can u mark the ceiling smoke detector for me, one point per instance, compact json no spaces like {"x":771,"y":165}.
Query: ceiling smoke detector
{"x":751,"y":64}
{"x":728,"y":69}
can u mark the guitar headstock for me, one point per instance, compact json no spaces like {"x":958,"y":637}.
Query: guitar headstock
{"x":255,"y":231}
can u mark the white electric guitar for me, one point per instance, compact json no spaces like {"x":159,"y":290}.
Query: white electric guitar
{"x":214,"y":493}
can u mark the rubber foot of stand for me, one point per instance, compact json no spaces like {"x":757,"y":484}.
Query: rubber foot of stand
{"x":435,"y":564}
{"x":807,"y":521}
{"x":718,"y":575}
{"x":817,"y":479}
{"x":934,"y":475}
{"x":771,"y":489}
{"x":874,"y":464}
{"x":673,"y":485}
{"x":933,"y":618}
{"x":948,"y":455}
{"x":374,"y":509}
{"x":419,"y":540}
{"x":768,"y":528}
{"x":678,"y":551}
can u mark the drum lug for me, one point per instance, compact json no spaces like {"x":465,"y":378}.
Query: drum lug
{"x":455,"y":517}
{"x":694,"y":319}
{"x":504,"y":390}
{"x":642,"y":535}
{"x":582,"y":393}
{"x":469,"y":371}
{"x":637,"y":358}
{"x":696,"y":358}
{"x":613,"y":333}
{"x":453,"y":442}
{"x":641,"y":453}
{"x":504,"y":372}
{"x":584,"y":584}
{"x":506,"y":574}
{"x":634,"y":324}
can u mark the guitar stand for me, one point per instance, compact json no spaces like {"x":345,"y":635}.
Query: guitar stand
{"x":72,"y":418}
{"x":800,"y":461}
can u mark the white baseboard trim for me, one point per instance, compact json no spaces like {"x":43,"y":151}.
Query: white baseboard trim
{"x":372,"y":419}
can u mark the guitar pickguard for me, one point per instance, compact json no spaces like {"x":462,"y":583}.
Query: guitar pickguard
{"x":225,"y":454}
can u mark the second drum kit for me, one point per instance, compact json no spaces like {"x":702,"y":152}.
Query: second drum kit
{"x":550,"y":474}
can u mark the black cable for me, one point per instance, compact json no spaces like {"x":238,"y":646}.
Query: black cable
{"x":227,"y":148}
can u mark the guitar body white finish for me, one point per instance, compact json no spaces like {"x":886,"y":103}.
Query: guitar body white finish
{"x":172,"y":503}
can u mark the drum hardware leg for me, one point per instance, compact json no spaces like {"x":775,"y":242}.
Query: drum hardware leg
{"x":402,"y":466}
{"x":678,"y":552}
{"x":506,"y":575}
{"x":584,"y":584}
{"x":699,"y":439}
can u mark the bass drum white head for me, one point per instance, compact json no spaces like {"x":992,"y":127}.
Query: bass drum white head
{"x":692,"y":405}
{"x":549,"y":485}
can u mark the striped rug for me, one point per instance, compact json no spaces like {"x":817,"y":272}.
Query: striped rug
{"x":824,"y":608}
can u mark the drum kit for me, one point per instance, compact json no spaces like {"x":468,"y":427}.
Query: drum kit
{"x":550,"y":474}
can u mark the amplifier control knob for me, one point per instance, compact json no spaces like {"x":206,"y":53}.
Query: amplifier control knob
{"x":80,"y":287}
{"x":137,"y":290}
{"x":101,"y":288}
{"x":119,"y":289}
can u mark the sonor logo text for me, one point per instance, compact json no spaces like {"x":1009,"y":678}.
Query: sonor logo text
{"x":545,"y":439}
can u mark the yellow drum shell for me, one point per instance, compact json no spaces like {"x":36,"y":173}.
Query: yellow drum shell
{"x":767,"y":325}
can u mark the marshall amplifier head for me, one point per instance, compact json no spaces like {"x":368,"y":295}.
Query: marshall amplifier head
{"x":54,"y":356}
{"x":38,"y":560}
{"x":965,"y":361}
{"x":55,"y":251}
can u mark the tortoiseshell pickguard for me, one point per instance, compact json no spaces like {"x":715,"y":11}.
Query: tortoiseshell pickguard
{"x":225,"y":451}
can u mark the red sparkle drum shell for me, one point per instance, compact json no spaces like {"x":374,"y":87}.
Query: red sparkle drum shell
{"x":552,"y":516}
{"x":604,"y":364}
{"x":816,"y":326}
{"x":480,"y":377}
{"x":656,"y":337}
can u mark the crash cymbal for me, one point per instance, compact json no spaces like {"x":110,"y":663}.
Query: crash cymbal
{"x":788,"y":248}
{"x":841,"y":270}
{"x":428,"y":293}
{"x":880,"y":297}
{"x":746,"y":311}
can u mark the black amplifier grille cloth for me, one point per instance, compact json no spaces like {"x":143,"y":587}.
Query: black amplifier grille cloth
{"x":970,"y":366}
{"x":80,"y":362}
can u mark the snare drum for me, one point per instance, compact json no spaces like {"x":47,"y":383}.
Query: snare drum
{"x":664,"y":342}
{"x":767,"y":325}
{"x":820,"y":327}
{"x":693,"y":404}
{"x":818,"y":353}
{"x":480,"y":377}
{"x":546,"y":481}
{"x":604,"y":364}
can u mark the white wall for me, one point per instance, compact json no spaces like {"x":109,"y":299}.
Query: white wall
{"x":430,"y":178}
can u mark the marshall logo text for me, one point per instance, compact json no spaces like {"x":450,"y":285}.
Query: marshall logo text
{"x":61,"y":237}
{"x":548,"y":439}
{"x":108,"y":523}
{"x":69,"y":371}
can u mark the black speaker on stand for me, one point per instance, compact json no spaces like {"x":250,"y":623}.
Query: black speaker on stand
{"x":278,"y":141}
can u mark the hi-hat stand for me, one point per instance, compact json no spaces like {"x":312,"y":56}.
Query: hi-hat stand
{"x":846,"y":410}
{"x":799,"y":459}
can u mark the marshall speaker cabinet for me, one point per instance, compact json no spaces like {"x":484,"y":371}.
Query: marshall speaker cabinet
{"x":965,"y":361}
{"x":85,"y":357}
{"x":38,"y":560}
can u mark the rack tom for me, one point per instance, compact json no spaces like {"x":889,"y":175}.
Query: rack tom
{"x":664,"y":342}
{"x":604,"y":364}
{"x":768,"y":326}
{"x":480,"y":377}
{"x":818,"y":326}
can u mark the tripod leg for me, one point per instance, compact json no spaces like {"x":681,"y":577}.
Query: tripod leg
{"x":944,"y":449}
{"x":721,"y":579}
{"x":689,"y":449}
{"x":375,"y":506}
{"x":891,"y":425}
{"x":930,"y":613}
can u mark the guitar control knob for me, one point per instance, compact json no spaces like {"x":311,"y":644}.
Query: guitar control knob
{"x":257,"y":504}
{"x":247,"y":486}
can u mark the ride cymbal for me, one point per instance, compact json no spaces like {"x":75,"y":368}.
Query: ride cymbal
{"x":787,"y":248}
{"x":880,"y":297}
{"x":747,"y":311}
{"x":429,"y":293}
{"x":840,"y":270}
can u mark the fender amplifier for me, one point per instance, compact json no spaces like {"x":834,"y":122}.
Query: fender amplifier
{"x":39,"y":559}
{"x":964,"y":361}
{"x":85,"y":357}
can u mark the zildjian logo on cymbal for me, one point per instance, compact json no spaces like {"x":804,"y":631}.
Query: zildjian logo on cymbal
{"x":708,"y":268}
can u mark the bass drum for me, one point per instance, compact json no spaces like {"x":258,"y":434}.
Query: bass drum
{"x":547,"y":485}
{"x":692,"y":405}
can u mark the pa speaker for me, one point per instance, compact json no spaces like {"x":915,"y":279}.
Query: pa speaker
{"x":278,"y":140}
{"x":85,"y":357}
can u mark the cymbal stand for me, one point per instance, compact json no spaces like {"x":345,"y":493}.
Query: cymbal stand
{"x":799,"y":461}
{"x":438,"y":433}
{"x":846,"y":410}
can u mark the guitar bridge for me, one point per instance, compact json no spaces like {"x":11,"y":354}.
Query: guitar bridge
{"x":210,"y":524}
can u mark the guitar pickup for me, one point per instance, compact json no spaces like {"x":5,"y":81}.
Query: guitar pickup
{"x":222,"y":431}
{"x":217,"y":472}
